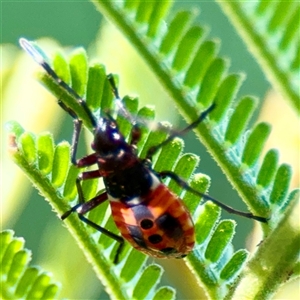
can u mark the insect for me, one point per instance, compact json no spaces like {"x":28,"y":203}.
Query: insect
{"x":148,"y":215}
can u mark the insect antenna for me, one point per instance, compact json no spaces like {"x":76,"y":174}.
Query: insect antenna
{"x":38,"y":57}
{"x":118,"y":101}
{"x":151,"y":151}
{"x":153,"y":125}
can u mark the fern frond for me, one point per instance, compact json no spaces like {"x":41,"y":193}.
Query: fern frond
{"x":278,"y":257}
{"x":18,"y":279}
{"x":48,"y":167}
{"x":199,"y":78}
{"x":271,"y":31}
{"x":225,"y":133}
{"x":194,"y":83}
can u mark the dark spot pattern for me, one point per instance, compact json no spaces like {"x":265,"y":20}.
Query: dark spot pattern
{"x":147,"y":224}
{"x":155,"y":239}
{"x":170,"y":226}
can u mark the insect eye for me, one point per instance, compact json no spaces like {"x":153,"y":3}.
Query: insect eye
{"x":146,"y":224}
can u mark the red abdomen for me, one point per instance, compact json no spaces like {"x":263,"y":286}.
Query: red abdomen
{"x":157,"y":224}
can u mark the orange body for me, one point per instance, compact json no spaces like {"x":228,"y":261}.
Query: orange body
{"x":158,"y":225}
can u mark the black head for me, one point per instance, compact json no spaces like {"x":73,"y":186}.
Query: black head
{"x":107,"y":137}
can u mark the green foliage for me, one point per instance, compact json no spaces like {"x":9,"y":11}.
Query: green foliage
{"x":18,"y":279}
{"x":188,"y":66}
{"x":227,"y":141}
{"x":271,"y":31}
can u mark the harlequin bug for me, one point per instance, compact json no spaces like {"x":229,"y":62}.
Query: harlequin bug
{"x":148,"y":215}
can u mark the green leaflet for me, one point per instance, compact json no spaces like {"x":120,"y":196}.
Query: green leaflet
{"x":148,"y":278}
{"x":233,"y":265}
{"x":222,"y":236}
{"x":45,"y":146}
{"x":61,"y":162}
{"x":18,"y":279}
{"x":255,"y":143}
{"x":268,"y":168}
{"x":270,"y":30}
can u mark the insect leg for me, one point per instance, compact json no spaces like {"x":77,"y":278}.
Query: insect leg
{"x":152,"y":150}
{"x":112,"y":235}
{"x":38,"y":56}
{"x":83,"y":207}
{"x":116,"y":237}
{"x":229,"y":209}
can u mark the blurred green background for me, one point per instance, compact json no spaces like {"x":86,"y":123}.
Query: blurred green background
{"x":79,"y":24}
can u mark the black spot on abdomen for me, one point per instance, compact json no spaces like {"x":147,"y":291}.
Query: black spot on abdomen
{"x":170,"y":226}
